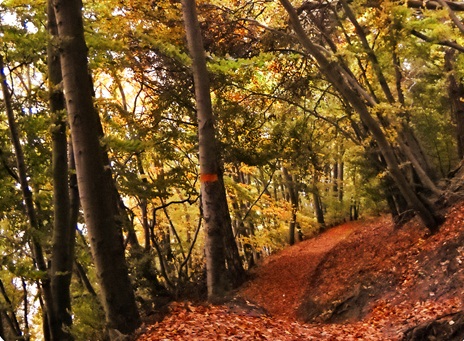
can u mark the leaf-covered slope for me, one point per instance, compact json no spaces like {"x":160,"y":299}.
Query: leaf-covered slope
{"x":280,"y":283}
{"x":359,"y":280}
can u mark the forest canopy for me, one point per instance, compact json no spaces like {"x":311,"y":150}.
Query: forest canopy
{"x":316,"y":112}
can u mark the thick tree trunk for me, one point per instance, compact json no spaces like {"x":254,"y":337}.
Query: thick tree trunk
{"x":213,"y":197}
{"x":95,"y":189}
{"x":356,"y":96}
{"x":63,"y":230}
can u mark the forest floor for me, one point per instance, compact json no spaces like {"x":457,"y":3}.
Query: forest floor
{"x":364,"y":280}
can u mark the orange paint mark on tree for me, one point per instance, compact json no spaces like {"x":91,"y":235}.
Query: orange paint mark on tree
{"x":208,"y":177}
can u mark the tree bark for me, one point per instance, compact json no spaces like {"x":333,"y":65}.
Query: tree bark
{"x":213,"y":197}
{"x":63,"y":231}
{"x":95,"y":187}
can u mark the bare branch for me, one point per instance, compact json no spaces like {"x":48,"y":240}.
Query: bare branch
{"x":432,"y":4}
{"x":452,"y":15}
{"x":448,"y":43}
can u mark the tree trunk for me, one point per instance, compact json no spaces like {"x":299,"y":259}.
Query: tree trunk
{"x":356,"y":96}
{"x":213,"y":197}
{"x":456,"y":96}
{"x":423,"y":176}
{"x":293,"y":196}
{"x":409,"y":138}
{"x":95,"y":188}
{"x":82,"y":275}
{"x":341,"y":168}
{"x":36,"y":247}
{"x":335,"y":178}
{"x":354,"y":210}
{"x":235,"y":271}
{"x":63,"y":231}
{"x":318,"y":208}
{"x":8,"y":313}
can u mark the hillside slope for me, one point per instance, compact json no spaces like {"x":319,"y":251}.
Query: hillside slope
{"x":364,"y":280}
{"x":279,"y":284}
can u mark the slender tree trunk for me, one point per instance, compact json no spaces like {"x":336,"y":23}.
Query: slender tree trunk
{"x":335,"y":178}
{"x":354,"y":210}
{"x":318,"y":208}
{"x":11,"y":317}
{"x":235,"y":271}
{"x":293,"y":196}
{"x":143,"y":206}
{"x":409,"y":138}
{"x":74,"y":201}
{"x":36,"y":248}
{"x":63,"y":231}
{"x":213,"y":200}
{"x":95,"y":187}
{"x":419,"y":170}
{"x":456,"y":96}
{"x":341,"y":168}
{"x":82,"y":275}
{"x":145,"y":225}
{"x":26,"y":312}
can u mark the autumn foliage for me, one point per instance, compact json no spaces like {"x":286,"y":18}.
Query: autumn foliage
{"x":365,"y":280}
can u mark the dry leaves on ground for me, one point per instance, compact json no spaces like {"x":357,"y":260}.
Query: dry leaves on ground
{"x":422,"y":280}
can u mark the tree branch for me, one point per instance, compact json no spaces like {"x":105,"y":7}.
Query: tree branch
{"x":448,"y":43}
{"x":188,"y":200}
{"x":192,"y":245}
{"x":452,"y":15}
{"x":370,"y":52}
{"x":432,"y":4}
{"x":8,"y":168}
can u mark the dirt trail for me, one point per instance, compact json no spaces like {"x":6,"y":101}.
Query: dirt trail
{"x":280,"y":283}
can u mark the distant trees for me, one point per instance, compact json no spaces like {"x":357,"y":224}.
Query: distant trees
{"x":359,"y":98}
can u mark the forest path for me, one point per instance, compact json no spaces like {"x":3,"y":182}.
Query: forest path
{"x":279,"y":284}
{"x":392,"y":280}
